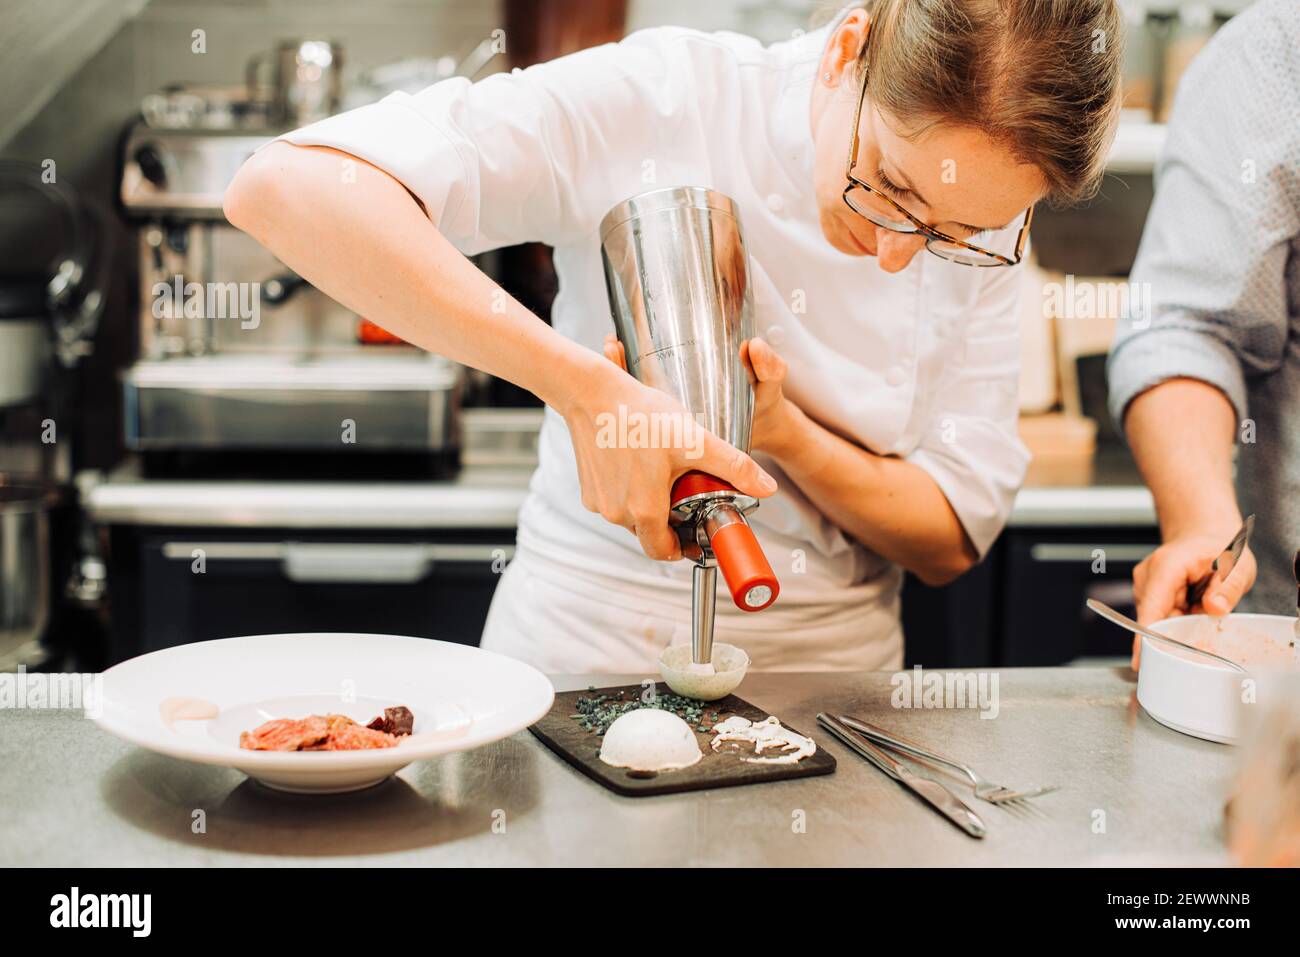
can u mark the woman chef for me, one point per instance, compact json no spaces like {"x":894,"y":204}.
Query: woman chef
{"x":884,"y":289}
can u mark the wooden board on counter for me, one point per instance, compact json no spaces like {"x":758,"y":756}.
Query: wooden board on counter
{"x":581,"y":748}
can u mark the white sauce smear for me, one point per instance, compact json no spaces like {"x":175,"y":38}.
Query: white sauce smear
{"x":764,"y":735}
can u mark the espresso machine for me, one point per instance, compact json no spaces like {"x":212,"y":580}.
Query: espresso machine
{"x":241,"y":360}
{"x":678,"y":279}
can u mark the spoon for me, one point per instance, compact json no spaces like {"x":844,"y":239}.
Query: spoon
{"x":1124,"y":621}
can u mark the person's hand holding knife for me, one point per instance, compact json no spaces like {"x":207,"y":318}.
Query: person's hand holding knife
{"x":1182,"y":434}
{"x":1164,"y":581}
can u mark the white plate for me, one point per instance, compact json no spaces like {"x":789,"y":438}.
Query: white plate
{"x":1199,"y":697}
{"x":462,"y":697}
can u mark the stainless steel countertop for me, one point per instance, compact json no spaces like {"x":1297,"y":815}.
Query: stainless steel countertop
{"x":75,"y":795}
{"x":478,"y":498}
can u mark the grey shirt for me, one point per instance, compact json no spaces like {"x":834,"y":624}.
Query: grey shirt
{"x":1220,"y":259}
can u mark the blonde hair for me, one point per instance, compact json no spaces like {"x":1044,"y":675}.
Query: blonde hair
{"x":1042,"y":76}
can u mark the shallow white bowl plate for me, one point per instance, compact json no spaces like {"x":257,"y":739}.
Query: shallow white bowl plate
{"x":731,"y":664}
{"x":1199,"y":697}
{"x":462,"y":697}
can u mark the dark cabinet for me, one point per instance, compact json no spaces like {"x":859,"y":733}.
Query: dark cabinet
{"x":172,"y":586}
{"x":1024,"y":604}
{"x":954,"y":626}
{"x":1049,"y":575}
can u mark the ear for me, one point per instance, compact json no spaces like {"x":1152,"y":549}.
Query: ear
{"x":844,"y":48}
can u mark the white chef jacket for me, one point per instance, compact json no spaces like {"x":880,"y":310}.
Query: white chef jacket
{"x":921,"y":364}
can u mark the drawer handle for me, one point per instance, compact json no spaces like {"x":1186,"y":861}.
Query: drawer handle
{"x":348,"y":563}
{"x":1053,"y":552}
{"x":344,"y":562}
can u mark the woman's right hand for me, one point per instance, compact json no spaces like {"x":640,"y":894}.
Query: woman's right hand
{"x":630,"y":486}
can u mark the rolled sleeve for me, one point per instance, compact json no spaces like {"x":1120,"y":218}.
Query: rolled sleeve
{"x":1213,"y":258}
{"x":971,"y":446}
{"x":404,"y":141}
{"x":1142,"y":361}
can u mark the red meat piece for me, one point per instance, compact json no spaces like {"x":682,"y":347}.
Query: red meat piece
{"x":398,"y":721}
{"x":355,"y":737}
{"x":332,"y":732}
{"x":286,"y":734}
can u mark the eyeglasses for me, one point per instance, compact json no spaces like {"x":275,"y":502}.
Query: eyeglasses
{"x":880,"y":209}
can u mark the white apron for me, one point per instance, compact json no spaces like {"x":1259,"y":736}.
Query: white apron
{"x":567,"y":618}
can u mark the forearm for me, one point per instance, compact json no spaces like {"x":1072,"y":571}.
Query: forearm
{"x":1182,"y":434}
{"x":893,"y":507}
{"x":364,"y":241}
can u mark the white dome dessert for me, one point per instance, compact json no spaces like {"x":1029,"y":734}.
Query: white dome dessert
{"x":650,"y":740}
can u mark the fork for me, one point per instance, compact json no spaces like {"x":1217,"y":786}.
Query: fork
{"x":985,"y":789}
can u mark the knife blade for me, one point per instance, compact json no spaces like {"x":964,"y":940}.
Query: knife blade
{"x":932,"y":792}
{"x":1223,"y":564}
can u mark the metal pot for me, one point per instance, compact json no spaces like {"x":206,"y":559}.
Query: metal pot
{"x":306,"y":80}
{"x":24,"y":570}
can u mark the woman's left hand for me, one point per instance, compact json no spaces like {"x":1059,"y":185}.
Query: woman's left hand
{"x":775,"y":416}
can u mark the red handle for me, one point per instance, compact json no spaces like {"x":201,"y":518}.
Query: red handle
{"x":744,"y":566}
{"x":694,"y":483}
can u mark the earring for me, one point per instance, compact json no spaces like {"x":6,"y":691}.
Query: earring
{"x":826,"y":77}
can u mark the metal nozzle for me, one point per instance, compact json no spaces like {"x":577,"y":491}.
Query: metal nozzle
{"x":704,"y":587}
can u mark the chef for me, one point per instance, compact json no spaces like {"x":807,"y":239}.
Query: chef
{"x":1215,"y":367}
{"x":885,"y":166}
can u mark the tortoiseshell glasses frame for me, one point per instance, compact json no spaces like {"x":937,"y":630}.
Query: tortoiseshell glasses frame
{"x":941,"y":244}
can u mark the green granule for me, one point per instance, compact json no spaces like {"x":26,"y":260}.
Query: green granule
{"x":597,"y":713}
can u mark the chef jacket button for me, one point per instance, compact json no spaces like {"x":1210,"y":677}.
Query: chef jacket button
{"x":895,"y":377}
{"x":775,"y":203}
{"x":775,"y":336}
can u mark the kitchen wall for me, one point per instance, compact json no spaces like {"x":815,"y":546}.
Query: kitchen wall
{"x":768,"y":20}
{"x":45,"y":43}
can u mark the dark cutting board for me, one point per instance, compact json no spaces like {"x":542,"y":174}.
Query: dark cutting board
{"x":581,"y":748}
